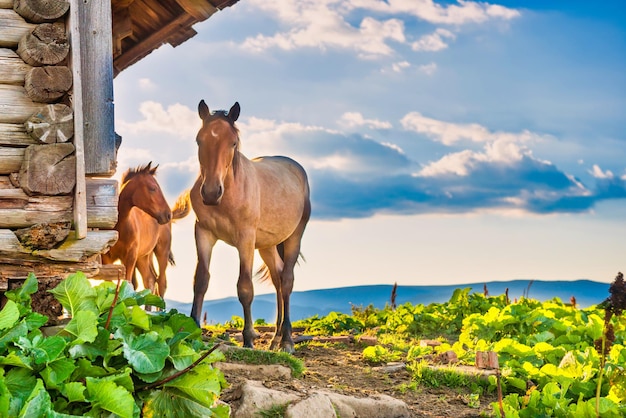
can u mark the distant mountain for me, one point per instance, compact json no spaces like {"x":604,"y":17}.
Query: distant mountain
{"x":321,"y":302}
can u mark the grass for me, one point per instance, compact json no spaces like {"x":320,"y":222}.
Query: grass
{"x":248,"y":356}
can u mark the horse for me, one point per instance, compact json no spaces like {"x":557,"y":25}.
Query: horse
{"x":144,"y":229}
{"x":261,"y":204}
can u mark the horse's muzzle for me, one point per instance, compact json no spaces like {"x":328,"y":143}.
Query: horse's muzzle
{"x":164,"y":217}
{"x":212,"y":198}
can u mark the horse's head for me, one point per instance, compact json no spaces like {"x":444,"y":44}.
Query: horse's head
{"x":140,"y":187}
{"x":218,"y":150}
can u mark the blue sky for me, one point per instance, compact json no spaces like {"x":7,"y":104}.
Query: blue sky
{"x":446,"y":142}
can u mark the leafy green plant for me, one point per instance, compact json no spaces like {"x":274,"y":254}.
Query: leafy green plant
{"x":112,"y":357}
{"x":378,"y":354}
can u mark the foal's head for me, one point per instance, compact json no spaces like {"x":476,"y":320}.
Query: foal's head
{"x":140,"y":188}
{"x":218,"y":150}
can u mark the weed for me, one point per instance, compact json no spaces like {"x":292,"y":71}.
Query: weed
{"x":276,"y":411}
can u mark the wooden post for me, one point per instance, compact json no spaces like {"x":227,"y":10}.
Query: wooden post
{"x":92,"y":63}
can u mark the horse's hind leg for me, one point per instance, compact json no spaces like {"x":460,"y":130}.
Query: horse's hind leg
{"x":274,"y":264}
{"x":291,"y":255}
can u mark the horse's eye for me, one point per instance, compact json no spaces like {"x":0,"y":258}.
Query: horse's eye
{"x":234,"y":145}
{"x":152,"y":189}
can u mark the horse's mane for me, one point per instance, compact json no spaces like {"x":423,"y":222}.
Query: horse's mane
{"x":132,"y":172}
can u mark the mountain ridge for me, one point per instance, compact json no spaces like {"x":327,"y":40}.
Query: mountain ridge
{"x":305,"y":304}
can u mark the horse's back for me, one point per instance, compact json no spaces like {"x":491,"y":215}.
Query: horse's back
{"x":283,"y":170}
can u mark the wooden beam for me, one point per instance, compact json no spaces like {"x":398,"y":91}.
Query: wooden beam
{"x":16,"y":106}
{"x":199,"y":9}
{"x":122,"y":28}
{"x":14,"y":134}
{"x":12,"y":68}
{"x":14,"y":27}
{"x":6,"y":4}
{"x":145,"y":46}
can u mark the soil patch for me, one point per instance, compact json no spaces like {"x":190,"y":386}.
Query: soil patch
{"x":339,"y":368}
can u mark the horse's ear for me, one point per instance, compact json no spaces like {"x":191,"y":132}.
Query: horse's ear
{"x":233,"y":113}
{"x":203,"y":110}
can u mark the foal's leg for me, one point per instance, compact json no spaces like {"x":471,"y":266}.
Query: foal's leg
{"x":162,"y":254}
{"x":275,"y":266}
{"x":205,"y":241}
{"x":143,"y":265}
{"x":245,"y":290}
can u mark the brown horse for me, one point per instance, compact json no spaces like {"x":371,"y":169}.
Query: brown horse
{"x":258,"y":204}
{"x":144,"y":228}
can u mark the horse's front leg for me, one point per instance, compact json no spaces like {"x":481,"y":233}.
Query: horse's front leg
{"x":245,"y":290}
{"x":274,"y":264}
{"x":205,"y":241}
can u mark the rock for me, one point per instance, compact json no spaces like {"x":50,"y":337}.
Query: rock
{"x":392,"y":367}
{"x":376,"y":406}
{"x":254,"y":397}
{"x":317,"y":405}
{"x":251,"y":398}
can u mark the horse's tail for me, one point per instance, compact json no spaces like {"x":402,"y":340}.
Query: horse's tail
{"x":263,"y":273}
{"x":170,"y":258}
{"x":182,"y":207}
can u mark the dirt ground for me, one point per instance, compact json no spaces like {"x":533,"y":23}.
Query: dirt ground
{"x":340,"y":368}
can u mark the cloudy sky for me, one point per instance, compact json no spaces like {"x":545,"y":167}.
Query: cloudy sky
{"x":447,"y":142}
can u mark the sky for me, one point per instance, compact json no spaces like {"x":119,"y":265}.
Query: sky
{"x":446,"y":142}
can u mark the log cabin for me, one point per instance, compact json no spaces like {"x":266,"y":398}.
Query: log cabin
{"x":58,"y":146}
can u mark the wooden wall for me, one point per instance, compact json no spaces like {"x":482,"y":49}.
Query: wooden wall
{"x":56,"y":130}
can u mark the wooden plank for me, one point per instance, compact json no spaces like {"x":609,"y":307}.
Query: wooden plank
{"x":102,"y":197}
{"x":11,"y":159}
{"x":13,"y":28}
{"x":12,"y":68}
{"x":16,"y":218}
{"x":6,"y":4}
{"x":110,"y":272}
{"x":102,"y":192}
{"x":76,"y":250}
{"x":80,"y":195}
{"x":90,"y":31}
{"x":14,"y":134}
{"x":19,"y":268}
{"x":72,"y":250}
{"x":15,"y":105}
{"x":19,"y":210}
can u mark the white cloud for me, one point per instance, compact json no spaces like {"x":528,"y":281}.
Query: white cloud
{"x":146,"y":84}
{"x":597,"y":172}
{"x":448,"y":132}
{"x":325,"y":24}
{"x":463,"y":12}
{"x":428,"y":69}
{"x":498,"y":147}
{"x":320,"y":25}
{"x":355,"y":119}
{"x":398,"y":67}
{"x":177,"y":120}
{"x":434,"y":41}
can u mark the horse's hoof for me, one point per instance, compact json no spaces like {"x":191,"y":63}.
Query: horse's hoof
{"x":288,"y":348}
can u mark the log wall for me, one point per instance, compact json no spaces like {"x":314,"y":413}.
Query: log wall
{"x":38,"y":106}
